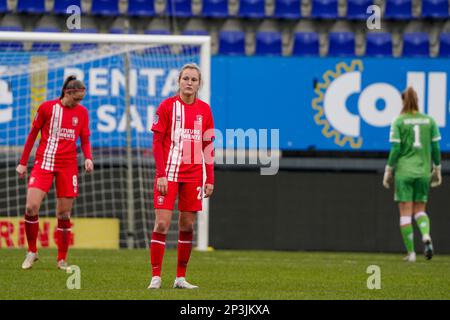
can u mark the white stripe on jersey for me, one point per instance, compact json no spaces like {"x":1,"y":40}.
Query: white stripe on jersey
{"x":48,"y":162}
{"x":177,"y":168}
{"x":176,"y":135}
{"x":171,"y":144}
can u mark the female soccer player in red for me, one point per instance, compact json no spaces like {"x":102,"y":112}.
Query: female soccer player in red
{"x":183,"y":135}
{"x":60,"y":122}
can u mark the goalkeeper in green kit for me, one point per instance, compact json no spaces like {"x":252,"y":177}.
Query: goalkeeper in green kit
{"x":415,"y":160}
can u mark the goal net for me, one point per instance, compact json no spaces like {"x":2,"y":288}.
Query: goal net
{"x":126,"y":77}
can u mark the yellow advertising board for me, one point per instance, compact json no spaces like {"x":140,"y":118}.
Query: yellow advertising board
{"x":92,"y":233}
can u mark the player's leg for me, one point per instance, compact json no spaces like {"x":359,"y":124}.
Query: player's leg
{"x":66,"y":192}
{"x":406,"y":229}
{"x":422,"y":188}
{"x":404,"y":195}
{"x":190,"y":202}
{"x":34,"y":200}
{"x":423,"y":223}
{"x":63,"y":230}
{"x":39,"y":184}
{"x":163,"y":215}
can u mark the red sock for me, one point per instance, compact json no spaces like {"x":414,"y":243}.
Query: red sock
{"x":31,"y":230}
{"x":184,"y":252}
{"x":63,"y":233}
{"x":157,"y":246}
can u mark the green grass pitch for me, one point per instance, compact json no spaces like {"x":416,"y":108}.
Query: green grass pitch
{"x":226,"y":275}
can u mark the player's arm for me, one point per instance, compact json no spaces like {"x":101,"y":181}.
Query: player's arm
{"x":394,"y":154}
{"x":208,"y":153}
{"x":86,"y":146}
{"x":436,"y":176}
{"x":36,"y":126}
{"x":159,"y":127}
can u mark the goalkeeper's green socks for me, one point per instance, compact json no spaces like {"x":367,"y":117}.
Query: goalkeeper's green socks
{"x":406,"y":229}
{"x":423,"y":223}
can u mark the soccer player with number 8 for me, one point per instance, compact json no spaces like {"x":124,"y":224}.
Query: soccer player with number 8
{"x":60,"y":123}
{"x":415,"y":158}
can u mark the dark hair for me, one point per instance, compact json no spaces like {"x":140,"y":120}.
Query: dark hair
{"x":71,"y":83}
{"x":410,"y":101}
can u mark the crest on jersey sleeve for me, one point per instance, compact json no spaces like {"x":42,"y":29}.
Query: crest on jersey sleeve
{"x":155,"y":119}
{"x":74,"y":121}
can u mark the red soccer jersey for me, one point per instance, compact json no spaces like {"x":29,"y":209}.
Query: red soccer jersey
{"x":60,"y":128}
{"x":184,"y":126}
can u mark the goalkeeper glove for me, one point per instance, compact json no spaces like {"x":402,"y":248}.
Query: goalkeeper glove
{"x":436,"y":176}
{"x":387,"y":178}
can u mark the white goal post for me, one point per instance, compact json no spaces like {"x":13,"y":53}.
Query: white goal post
{"x":128,"y":58}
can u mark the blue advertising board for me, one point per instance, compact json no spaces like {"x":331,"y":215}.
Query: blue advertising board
{"x":327,"y":103}
{"x":315,"y":103}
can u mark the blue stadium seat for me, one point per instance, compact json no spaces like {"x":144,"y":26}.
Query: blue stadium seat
{"x":160,"y":49}
{"x":46,"y":46}
{"x":158,"y":31}
{"x":118,"y":30}
{"x":3,"y":6}
{"x":118,"y":26}
{"x":416,"y":44}
{"x":378,"y":44}
{"x":193,"y":49}
{"x":268,"y":43}
{"x":357,"y":9}
{"x":341,"y":44}
{"x":179,"y":8}
{"x":11,"y":46}
{"x":215,"y":8}
{"x":287,"y":9}
{"x":141,"y":8}
{"x":232,"y":42}
{"x":61,"y":6}
{"x":324,"y":9}
{"x":306,"y":44}
{"x":252,"y":9}
{"x":83,"y":46}
{"x":398,"y":9}
{"x":31,"y":6}
{"x":435,"y":8}
{"x":195,"y":32}
{"x":105,"y":7}
{"x":444,"y":44}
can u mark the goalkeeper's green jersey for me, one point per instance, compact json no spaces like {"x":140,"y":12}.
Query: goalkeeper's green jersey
{"x":415,"y":133}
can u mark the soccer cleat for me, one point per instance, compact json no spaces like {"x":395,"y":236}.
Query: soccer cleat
{"x":155,"y":283}
{"x":428,"y":247}
{"x":29,"y":260}
{"x":411,"y":257}
{"x":181,"y":283}
{"x":62,"y":264}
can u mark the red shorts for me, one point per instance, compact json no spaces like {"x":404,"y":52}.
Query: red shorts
{"x":66,"y":180}
{"x":190,"y":196}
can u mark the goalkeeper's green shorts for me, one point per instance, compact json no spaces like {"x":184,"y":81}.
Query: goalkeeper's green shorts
{"x":412,"y":189}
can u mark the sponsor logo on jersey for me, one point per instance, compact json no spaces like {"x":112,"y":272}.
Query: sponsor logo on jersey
{"x":74,"y":121}
{"x":160,"y":200}
{"x":67,"y":134}
{"x":178,"y":117}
